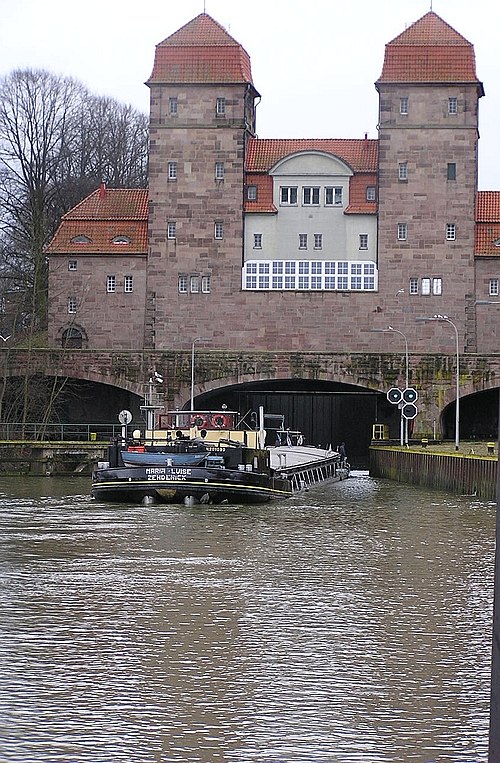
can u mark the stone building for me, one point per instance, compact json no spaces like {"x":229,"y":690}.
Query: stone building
{"x":289,"y":244}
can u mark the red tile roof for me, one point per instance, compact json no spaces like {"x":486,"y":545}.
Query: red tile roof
{"x":101,"y":217}
{"x":264,"y":200}
{"x":429,"y":51}
{"x":487,"y":224}
{"x":358,"y":205}
{"x":201,"y":52}
{"x":359,"y":154}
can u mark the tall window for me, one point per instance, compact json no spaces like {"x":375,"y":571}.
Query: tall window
{"x":111,"y":284}
{"x":333,"y":195}
{"x":413,"y":285}
{"x":363,"y":240}
{"x":403,"y":105}
{"x":437,"y":286}
{"x":172,"y":170}
{"x":257,"y":240}
{"x":453,"y":105}
{"x":219,"y":230}
{"x":402,"y":231}
{"x":172,"y":229}
{"x":451,"y":171}
{"x":451,"y":231}
{"x":403,"y":171}
{"x":219,"y":170}
{"x":302,"y":240}
{"x":71,"y":305}
{"x":205,"y":284}
{"x":318,"y":241}
{"x":310,"y":195}
{"x":220,"y":107}
{"x":183,"y":284}
{"x":194,"y":284}
{"x":128,"y":284}
{"x":426,"y":286}
{"x":288,"y":195}
{"x":252,"y":193}
{"x":172,"y":106}
{"x":371,"y":193}
{"x":494,"y":287}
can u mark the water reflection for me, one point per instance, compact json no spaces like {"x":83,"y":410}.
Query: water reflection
{"x":351,"y":624}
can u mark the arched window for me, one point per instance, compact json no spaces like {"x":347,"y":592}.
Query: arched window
{"x":81,"y":239}
{"x":72,"y":339}
{"x":121,"y":240}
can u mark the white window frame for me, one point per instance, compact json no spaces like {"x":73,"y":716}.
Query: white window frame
{"x":220,"y":107}
{"x":206,"y":283}
{"x":218,"y":230}
{"x":334,"y":195}
{"x":413,"y":287}
{"x":403,"y":105}
{"x":173,"y":106}
{"x":257,"y":240}
{"x":310,"y":195}
{"x":493,"y":289}
{"x":318,"y":241}
{"x":73,"y":265}
{"x":363,"y":241}
{"x":194,"y":283}
{"x":451,"y":232}
{"x":128,"y":284}
{"x":309,"y":275}
{"x":251,"y":193}
{"x":110,"y":284}
{"x":302,"y":240}
{"x":402,"y":231}
{"x":437,"y":286}
{"x":182,"y":283}
{"x":403,"y":171}
{"x":288,"y":195}
{"x":172,"y":170}
{"x":171,"y":230}
{"x":453,"y":105}
{"x":371,"y":193}
{"x":219,"y":170}
{"x":425,"y":286}
{"x":72,"y":305}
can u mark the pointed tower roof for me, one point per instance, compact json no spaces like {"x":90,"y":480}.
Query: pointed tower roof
{"x":201,"y":52}
{"x":430,"y":50}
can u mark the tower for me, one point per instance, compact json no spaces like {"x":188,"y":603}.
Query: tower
{"x":202,"y":111}
{"x":428,"y":140}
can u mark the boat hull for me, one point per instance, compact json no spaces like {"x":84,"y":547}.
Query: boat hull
{"x":182,"y":484}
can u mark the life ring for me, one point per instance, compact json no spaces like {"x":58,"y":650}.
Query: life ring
{"x":199,"y":421}
{"x":220,"y":421}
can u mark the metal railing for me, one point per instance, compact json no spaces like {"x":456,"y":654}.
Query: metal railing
{"x":42,"y":432}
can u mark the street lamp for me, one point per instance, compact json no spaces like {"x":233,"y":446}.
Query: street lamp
{"x":197,"y":339}
{"x":388,"y":330}
{"x":445,"y":319}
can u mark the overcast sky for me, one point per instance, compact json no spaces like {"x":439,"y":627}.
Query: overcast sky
{"x":314,"y":62}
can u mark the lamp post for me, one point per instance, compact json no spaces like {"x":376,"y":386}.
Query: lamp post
{"x":445,"y":319}
{"x":197,"y":339}
{"x":388,"y":330}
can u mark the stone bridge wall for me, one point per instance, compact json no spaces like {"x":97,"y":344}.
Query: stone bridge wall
{"x":433,"y":375}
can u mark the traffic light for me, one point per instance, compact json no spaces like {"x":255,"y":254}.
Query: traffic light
{"x":394,"y":395}
{"x":410,"y":394}
{"x":409,"y":411}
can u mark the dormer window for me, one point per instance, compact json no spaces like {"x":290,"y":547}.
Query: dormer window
{"x":121,"y":240}
{"x":81,"y":239}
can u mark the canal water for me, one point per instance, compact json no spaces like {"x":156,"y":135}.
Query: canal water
{"x":349,"y":624}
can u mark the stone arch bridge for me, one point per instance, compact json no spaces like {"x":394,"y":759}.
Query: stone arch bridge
{"x":433,"y":375}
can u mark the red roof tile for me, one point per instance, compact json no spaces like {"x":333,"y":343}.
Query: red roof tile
{"x":357,"y":194}
{"x":359,"y":154}
{"x":201,"y":52}
{"x":264,"y":200}
{"x":101,"y":217}
{"x":429,"y":51}
{"x":487,"y":224}
{"x":488,"y":206}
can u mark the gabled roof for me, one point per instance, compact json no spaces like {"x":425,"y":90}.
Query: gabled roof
{"x":430,"y":50}
{"x":359,"y":154}
{"x":487,"y":224}
{"x":201,"y":52}
{"x":100,"y":218}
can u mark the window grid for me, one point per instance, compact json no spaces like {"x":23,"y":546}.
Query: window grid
{"x":403,"y":170}
{"x":403,"y":105}
{"x":219,"y":230}
{"x":252,"y":193}
{"x":493,"y":287}
{"x":302,"y":240}
{"x":171,"y":230}
{"x":206,"y":284}
{"x":172,"y":170}
{"x":413,"y":285}
{"x":402,"y":232}
{"x":220,"y":107}
{"x":219,"y":170}
{"x":363,"y":240}
{"x":451,"y":232}
{"x":257,"y":240}
{"x":318,"y":241}
{"x":453,"y":105}
{"x":371,"y":193}
{"x":183,"y":284}
{"x":194,"y":284}
{"x":306,"y":275}
{"x":172,"y":106}
{"x":128,"y":284}
{"x":111,"y":284}
{"x":71,"y":305}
